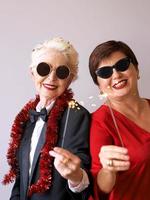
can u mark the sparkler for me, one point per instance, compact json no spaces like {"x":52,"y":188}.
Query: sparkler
{"x":114,"y":120}
{"x":105,"y":95}
{"x":74,"y":105}
{"x":71,"y":105}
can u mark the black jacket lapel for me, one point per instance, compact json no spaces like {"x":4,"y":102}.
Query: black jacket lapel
{"x":24,"y":156}
{"x":40,"y":144}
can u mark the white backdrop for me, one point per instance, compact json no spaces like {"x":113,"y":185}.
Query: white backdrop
{"x":86,"y":23}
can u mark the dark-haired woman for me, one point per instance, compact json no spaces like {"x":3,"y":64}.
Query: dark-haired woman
{"x":120,"y":128}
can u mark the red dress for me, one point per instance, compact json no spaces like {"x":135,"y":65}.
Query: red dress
{"x":133,"y":184}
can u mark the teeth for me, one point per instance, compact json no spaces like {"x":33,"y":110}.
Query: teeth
{"x":117,"y":82}
{"x":120,"y":83}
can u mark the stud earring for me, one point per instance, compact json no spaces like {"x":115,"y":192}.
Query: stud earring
{"x":101,"y":92}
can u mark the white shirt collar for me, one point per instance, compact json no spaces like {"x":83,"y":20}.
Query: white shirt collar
{"x":48,"y":108}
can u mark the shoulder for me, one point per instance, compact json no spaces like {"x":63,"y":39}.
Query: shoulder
{"x":76,"y":108}
{"x":101,"y":114}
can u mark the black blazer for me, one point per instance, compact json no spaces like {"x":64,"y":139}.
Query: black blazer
{"x":76,"y":141}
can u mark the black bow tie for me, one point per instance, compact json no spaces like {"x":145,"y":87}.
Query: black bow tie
{"x":34,"y":115}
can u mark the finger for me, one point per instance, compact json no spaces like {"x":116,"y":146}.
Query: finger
{"x":113,"y":152}
{"x":114,"y":155}
{"x":67,"y":154}
{"x":62,"y":151}
{"x":59,"y":157}
{"x":117,"y":169}
{"x":53,"y":153}
{"x":114,"y":149}
{"x":65,"y":160}
{"x":117,"y":165}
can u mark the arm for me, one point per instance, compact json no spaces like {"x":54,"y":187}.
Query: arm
{"x":106,"y":180}
{"x":101,"y":140}
{"x":76,"y":148}
{"x":119,"y":162}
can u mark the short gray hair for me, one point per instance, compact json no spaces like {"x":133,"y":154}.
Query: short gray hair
{"x":63,"y":46}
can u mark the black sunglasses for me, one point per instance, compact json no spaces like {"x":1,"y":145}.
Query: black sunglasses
{"x":107,"y":71}
{"x":62,"y":72}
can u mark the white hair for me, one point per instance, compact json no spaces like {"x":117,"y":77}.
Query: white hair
{"x":62,"y":46}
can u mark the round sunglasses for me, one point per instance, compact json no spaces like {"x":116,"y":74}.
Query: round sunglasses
{"x":107,"y":71}
{"x":62,"y":71}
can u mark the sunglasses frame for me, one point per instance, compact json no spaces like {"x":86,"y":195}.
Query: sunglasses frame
{"x":119,"y":68}
{"x":50,"y":69}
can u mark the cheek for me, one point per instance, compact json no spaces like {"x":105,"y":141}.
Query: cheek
{"x":38,"y":82}
{"x":65,"y":83}
{"x":131,"y":76}
{"x":103,"y":84}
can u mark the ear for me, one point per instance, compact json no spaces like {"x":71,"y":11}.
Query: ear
{"x":99,"y":87}
{"x":70,"y":79}
{"x":31,"y":72}
{"x":138,"y":75}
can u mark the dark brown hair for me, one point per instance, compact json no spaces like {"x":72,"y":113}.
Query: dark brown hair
{"x":104,"y":50}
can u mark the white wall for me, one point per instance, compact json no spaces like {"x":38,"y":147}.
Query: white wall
{"x":86,"y":23}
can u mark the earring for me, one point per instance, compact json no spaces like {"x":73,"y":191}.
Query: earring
{"x":138,"y":77}
{"x":101,"y":92}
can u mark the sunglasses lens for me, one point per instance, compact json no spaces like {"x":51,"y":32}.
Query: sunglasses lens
{"x":43,"y":69}
{"x":122,"y":65}
{"x":104,"y":72}
{"x":62,"y":72}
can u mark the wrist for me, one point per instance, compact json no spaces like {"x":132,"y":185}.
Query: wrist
{"x":82,"y":185}
{"x":76,"y":180}
{"x":106,"y":180}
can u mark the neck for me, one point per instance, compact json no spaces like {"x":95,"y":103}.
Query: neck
{"x":132,"y":104}
{"x":45,"y":101}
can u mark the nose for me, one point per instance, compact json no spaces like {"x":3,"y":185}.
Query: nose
{"x":116,"y":74}
{"x":52,"y":75}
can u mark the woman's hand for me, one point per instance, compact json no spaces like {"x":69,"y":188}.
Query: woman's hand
{"x":114,"y":158}
{"x":68,"y":165}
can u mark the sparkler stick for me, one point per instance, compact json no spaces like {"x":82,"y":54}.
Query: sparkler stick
{"x":65,"y":128}
{"x":105,"y":96}
{"x":115,"y":123}
{"x":74,"y":105}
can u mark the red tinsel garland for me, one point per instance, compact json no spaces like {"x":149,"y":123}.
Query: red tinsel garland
{"x":45,"y":179}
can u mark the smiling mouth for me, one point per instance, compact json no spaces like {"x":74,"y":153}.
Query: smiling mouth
{"x":50,"y":86}
{"x":120,"y":84}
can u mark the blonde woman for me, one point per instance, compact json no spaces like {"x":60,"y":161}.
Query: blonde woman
{"x":49,"y":151}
